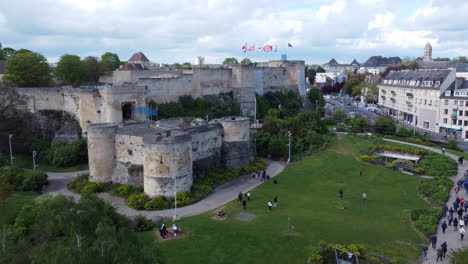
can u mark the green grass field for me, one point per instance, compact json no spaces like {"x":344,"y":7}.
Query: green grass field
{"x":25,"y":161}
{"x":11,"y":206}
{"x":308,"y":195}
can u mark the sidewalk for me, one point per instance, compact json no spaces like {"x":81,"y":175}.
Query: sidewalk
{"x":451,"y":237}
{"x":220,"y":196}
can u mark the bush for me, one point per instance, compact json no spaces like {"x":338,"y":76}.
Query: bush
{"x":158,"y":203}
{"x":125,"y":190}
{"x":437,"y":189}
{"x":184,"y":198}
{"x":137,"y":201}
{"x":452,"y":144}
{"x":438,"y":165}
{"x":143,"y":224}
{"x":404,"y":132}
{"x":91,"y":187}
{"x":385,"y":125}
{"x":368,"y":157}
{"x":426,"y":220}
{"x":24,"y":180}
{"x":77,"y":184}
{"x":64,"y":155}
{"x":358,"y":124}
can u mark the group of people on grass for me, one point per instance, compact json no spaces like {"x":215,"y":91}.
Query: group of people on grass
{"x":247,"y":195}
{"x":341,"y":195}
{"x":165,"y":233}
{"x":260,"y":175}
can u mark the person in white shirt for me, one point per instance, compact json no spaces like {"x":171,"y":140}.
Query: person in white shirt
{"x":269,"y":205}
{"x":248,"y":196}
{"x":175,"y":229}
{"x":462,"y":232}
{"x":461,"y":222}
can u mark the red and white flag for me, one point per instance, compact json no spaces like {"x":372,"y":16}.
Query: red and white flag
{"x":244,"y":47}
{"x":268,"y":48}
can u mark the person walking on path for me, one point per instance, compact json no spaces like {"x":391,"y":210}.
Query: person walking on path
{"x":440,"y":253}
{"x":248,"y":195}
{"x":451,"y":211}
{"x":240,"y":197}
{"x":269,"y":205}
{"x":444,"y":248}
{"x":442,"y":150}
{"x":460,"y":213}
{"x":340,"y":193}
{"x":444,"y":226}
{"x":275,"y":201}
{"x":444,"y":210}
{"x":434,"y":241}
{"x":461,"y":223}
{"x":455,"y":224}
{"x":462,"y":232}
{"x":460,"y":160}
{"x":425,"y":250}
{"x":244,"y":204}
{"x":466,"y":206}
{"x":450,"y":219}
{"x":465,"y":185}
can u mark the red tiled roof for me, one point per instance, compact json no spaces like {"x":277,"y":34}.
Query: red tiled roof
{"x":139,"y":56}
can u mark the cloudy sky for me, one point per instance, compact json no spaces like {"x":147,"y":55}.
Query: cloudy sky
{"x":178,"y":30}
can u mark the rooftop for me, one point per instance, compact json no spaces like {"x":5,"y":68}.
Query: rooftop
{"x":378,"y":61}
{"x":419,"y":78}
{"x":460,"y":67}
{"x":139,"y":56}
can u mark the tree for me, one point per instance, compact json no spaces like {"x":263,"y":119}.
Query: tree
{"x":230,"y":61}
{"x":462,"y":59}
{"x":246,"y":61}
{"x":110,"y":61}
{"x":339,"y":116}
{"x":27,"y":69}
{"x":385,"y":125}
{"x":94,"y":69}
{"x":6,"y":52}
{"x":71,"y":70}
{"x":353,"y":81}
{"x":315,"y":97}
{"x":371,"y":92}
{"x":357,"y":124}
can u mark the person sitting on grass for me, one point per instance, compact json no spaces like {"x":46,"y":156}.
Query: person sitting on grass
{"x":221,"y":213}
{"x":175,"y":229}
{"x":163,"y":231}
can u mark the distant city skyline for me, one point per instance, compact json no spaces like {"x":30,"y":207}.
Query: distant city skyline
{"x":180,"y":30}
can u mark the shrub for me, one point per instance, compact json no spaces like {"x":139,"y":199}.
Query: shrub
{"x":91,"y":187}
{"x":452,"y":144}
{"x":183,"y":198}
{"x":157,"y":203}
{"x":78,"y":183}
{"x":63,"y":155}
{"x":369,"y":157}
{"x":200,"y":191}
{"x":438,"y":165}
{"x":426,"y":220}
{"x":137,"y":201}
{"x":125,"y":190}
{"x":384,"y":125}
{"x":437,"y":189}
{"x":143,"y":224}
{"x":33,"y":181}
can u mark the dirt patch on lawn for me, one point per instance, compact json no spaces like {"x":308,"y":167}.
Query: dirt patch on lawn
{"x":219,"y":218}
{"x":170,"y":236}
{"x":338,"y":145}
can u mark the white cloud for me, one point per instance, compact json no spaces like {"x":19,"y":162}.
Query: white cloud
{"x":422,"y":12}
{"x":382,"y":20}
{"x":325,"y":11}
{"x":371,"y":2}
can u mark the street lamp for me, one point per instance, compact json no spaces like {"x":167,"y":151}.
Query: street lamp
{"x":34,"y":154}
{"x":289,"y":145}
{"x":175,"y":198}
{"x":10,"y":137}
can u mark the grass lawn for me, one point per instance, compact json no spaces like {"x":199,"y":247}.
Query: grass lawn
{"x":25,"y":161}
{"x":308,"y":194}
{"x":11,"y":206}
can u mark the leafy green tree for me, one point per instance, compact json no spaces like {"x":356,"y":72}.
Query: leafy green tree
{"x":316,"y":97}
{"x":94,"y":69}
{"x":71,"y":70}
{"x":462,"y":59}
{"x":358,"y":124}
{"x":230,"y":61}
{"x":27,"y":69}
{"x":5,"y":187}
{"x":385,"y":125}
{"x":245,"y":61}
{"x":6,"y":52}
{"x":339,"y":116}
{"x":110,"y":61}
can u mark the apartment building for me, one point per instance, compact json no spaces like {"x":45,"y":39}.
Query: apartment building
{"x":415,"y":96}
{"x":454,"y":108}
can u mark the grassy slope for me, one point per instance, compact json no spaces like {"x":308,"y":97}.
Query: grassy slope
{"x":307,"y":193}
{"x":11,"y":206}
{"x":25,"y":161}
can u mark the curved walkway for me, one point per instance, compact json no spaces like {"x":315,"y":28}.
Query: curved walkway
{"x":220,"y":196}
{"x":451,"y":237}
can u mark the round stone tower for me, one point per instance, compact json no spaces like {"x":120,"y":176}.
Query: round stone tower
{"x":101,"y":151}
{"x":168,"y":161}
{"x":236,"y":149}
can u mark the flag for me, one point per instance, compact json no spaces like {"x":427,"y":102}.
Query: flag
{"x":259,"y":49}
{"x":244,"y":48}
{"x":268,"y":48}
{"x":252,"y":48}
{"x":290,"y":45}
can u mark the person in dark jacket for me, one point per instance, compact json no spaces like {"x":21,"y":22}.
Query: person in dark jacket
{"x":240,"y":197}
{"x":444,"y":248}
{"x":275,"y":201}
{"x":434,"y":241}
{"x":455,"y":224}
{"x":444,"y":226}
{"x":460,"y":213}
{"x":444,"y":210}
{"x":466,"y":206}
{"x":450,"y":219}
{"x":340,"y":193}
{"x":244,"y":204}
{"x":451,"y":211}
{"x":440,"y":254}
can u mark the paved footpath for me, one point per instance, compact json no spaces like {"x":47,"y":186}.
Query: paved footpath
{"x":220,"y":196}
{"x":451,"y":237}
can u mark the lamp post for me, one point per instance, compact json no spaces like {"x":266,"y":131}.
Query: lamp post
{"x":34,"y":154}
{"x":175,"y":198}
{"x":10,"y":137}
{"x":289,"y":146}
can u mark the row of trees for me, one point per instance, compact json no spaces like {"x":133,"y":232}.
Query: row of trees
{"x":245,"y":61}
{"x":25,"y":68}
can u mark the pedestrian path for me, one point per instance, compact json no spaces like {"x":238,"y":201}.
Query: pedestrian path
{"x":220,"y":196}
{"x":451,"y":237}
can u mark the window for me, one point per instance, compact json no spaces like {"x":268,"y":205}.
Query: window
{"x":430,"y":102}
{"x":455,"y":102}
{"x":461,"y":103}
{"x":445,"y":111}
{"x":420,"y":101}
{"x":466,"y":113}
{"x":436,"y":102}
{"x":459,"y":122}
{"x":460,"y":113}
{"x":425,"y":101}
{"x":454,"y":121}
{"x":456,"y":93}
{"x":466,"y":123}
{"x":446,"y":102}
{"x":445,"y":120}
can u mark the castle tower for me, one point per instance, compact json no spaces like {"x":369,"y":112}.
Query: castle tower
{"x":168,"y":160}
{"x":427,"y":52}
{"x":236,"y":149}
{"x":101,"y":151}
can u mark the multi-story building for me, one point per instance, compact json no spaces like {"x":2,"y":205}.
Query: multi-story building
{"x":454,"y":108}
{"x":415,"y":96}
